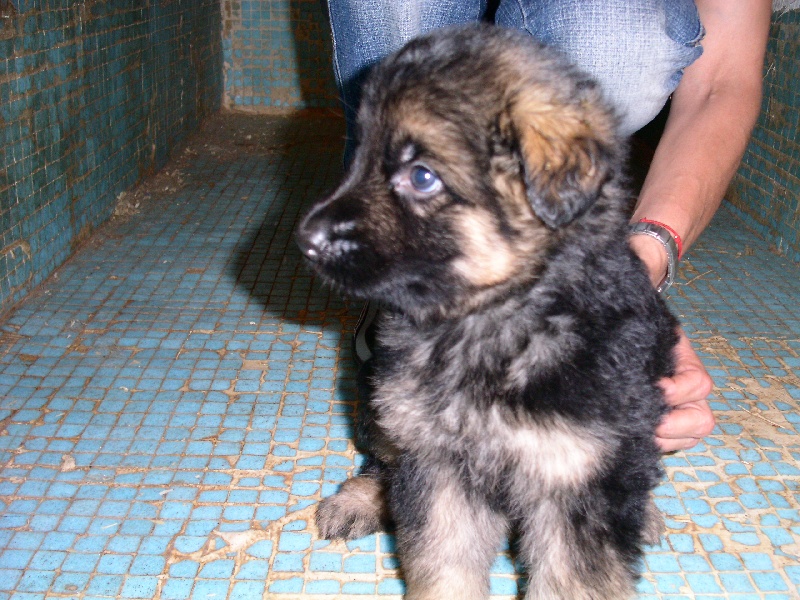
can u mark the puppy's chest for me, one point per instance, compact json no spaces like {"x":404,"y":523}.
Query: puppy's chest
{"x":445,"y":367}
{"x":440,"y":387}
{"x":444,"y":413}
{"x":479,"y":361}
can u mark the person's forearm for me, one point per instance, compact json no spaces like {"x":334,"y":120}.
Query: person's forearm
{"x":695,"y":162}
{"x":701,"y":148}
{"x":712,"y":115}
{"x":713,"y":112}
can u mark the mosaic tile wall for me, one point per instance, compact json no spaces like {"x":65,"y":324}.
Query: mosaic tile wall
{"x":277,"y":54}
{"x":93,"y":95}
{"x":766,"y":191}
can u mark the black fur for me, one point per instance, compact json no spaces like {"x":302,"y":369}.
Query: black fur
{"x":515,"y":384}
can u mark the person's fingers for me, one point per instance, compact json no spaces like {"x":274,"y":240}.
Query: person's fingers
{"x":671,"y":445}
{"x":690,"y":418}
{"x":691,"y":382}
{"x":685,"y":425}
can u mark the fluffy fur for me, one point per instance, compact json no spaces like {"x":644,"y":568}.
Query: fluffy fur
{"x":515,"y":381}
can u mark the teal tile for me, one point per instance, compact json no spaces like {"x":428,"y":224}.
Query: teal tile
{"x":201,"y":381}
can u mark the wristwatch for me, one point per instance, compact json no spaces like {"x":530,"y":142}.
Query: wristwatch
{"x":671,"y":242}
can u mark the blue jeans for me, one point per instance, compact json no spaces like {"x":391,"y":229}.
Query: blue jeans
{"x":636,"y":49}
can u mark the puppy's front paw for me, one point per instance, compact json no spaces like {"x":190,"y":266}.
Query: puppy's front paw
{"x":356,"y":510}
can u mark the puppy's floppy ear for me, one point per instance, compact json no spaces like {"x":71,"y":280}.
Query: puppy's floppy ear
{"x":565,"y":152}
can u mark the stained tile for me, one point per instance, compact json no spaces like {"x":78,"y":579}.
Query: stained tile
{"x":182,"y":445}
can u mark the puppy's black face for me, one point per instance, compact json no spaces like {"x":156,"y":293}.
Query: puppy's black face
{"x":477,"y":148}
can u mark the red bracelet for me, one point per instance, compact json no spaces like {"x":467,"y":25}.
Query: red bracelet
{"x":672,"y":232}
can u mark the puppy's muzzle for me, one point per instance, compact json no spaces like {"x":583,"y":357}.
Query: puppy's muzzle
{"x":329,"y":231}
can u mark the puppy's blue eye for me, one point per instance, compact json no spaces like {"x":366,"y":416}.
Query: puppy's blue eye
{"x":424,"y":180}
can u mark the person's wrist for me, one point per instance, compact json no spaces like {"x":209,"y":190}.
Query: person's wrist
{"x":654,"y":256}
{"x":670,"y":241}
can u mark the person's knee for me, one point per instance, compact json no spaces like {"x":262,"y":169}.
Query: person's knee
{"x":637,"y":50}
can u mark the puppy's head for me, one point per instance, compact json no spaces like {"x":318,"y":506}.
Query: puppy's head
{"x":478,"y":149}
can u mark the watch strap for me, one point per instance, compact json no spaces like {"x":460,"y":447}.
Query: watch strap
{"x":665,"y":236}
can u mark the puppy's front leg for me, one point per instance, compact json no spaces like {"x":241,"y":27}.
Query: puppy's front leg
{"x":446,"y":540}
{"x":570,"y":555}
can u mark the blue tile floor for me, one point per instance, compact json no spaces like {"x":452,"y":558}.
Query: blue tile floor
{"x":178,"y":397}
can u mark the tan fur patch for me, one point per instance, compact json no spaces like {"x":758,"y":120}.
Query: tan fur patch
{"x":553,"y":137}
{"x":557,"y":455}
{"x":555,"y":558}
{"x":487,"y":258}
{"x":451,"y":558}
{"x":508,"y":182}
{"x":654,"y":523}
{"x":546,"y":351}
{"x":558,"y":136}
{"x":443,"y":139}
{"x":357,"y":509}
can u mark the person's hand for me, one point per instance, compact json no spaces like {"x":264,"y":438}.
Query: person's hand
{"x":690,"y":418}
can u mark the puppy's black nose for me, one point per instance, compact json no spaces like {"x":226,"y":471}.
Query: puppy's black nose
{"x":313,"y":236}
{"x":330,"y":229}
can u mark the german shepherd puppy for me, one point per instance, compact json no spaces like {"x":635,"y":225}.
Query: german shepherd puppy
{"x":515,"y":379}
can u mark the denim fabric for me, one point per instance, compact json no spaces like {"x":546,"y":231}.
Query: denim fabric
{"x":364,"y":31}
{"x":636,"y":49}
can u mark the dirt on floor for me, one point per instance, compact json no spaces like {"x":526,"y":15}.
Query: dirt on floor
{"x":228,"y":135}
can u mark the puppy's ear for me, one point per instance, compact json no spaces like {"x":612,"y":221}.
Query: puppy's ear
{"x":565,"y":153}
